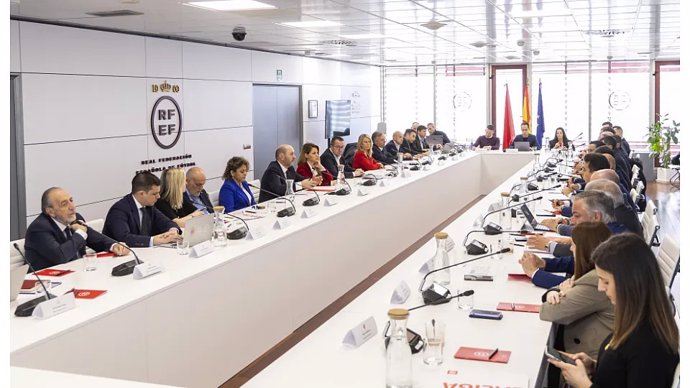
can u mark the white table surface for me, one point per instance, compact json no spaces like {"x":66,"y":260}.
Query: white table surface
{"x":194,"y":324}
{"x":32,"y":378}
{"x":321,"y":360}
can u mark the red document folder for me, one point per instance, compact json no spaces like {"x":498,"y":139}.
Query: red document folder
{"x":479,"y":354}
{"x":521,"y":307}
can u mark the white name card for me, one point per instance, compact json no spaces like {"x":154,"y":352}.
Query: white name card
{"x":360,"y":333}
{"x":362,"y":192}
{"x":426,"y":167}
{"x":281,"y":223}
{"x":330,"y":201}
{"x":427,"y":266}
{"x":256,"y":233}
{"x":55,"y":306}
{"x":406,"y":174}
{"x":384,"y":183}
{"x":455,"y":157}
{"x":145,"y":270}
{"x":201,"y":249}
{"x":309,"y":213}
{"x":401,"y":293}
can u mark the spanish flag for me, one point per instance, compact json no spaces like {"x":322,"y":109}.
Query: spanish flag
{"x":526,"y":115}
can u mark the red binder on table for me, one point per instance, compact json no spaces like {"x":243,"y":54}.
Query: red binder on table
{"x":521,"y":307}
{"x":479,"y":354}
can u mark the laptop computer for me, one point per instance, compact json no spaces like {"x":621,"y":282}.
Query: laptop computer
{"x":533,"y":221}
{"x":17,"y":275}
{"x":522,"y":146}
{"x":198,"y":229}
{"x":434,"y":140}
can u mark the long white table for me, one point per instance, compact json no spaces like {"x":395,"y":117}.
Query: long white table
{"x":321,"y":360}
{"x":203,"y":319}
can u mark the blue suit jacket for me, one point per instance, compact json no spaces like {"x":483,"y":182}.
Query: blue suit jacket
{"x":232,"y":196}
{"x":545,"y":279}
{"x":46,"y":245}
{"x":122,"y":223}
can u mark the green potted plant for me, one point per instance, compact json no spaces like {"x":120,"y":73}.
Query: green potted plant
{"x":660,"y":137}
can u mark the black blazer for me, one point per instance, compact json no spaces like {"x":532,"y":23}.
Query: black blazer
{"x":46,"y":245}
{"x":329,"y":162}
{"x":419,"y":144}
{"x":391,"y":149}
{"x":273,"y":181}
{"x":408,"y":148}
{"x":446,"y":140}
{"x":381,"y":155}
{"x":122,"y":223}
{"x":204,"y":199}
{"x":168,"y":211}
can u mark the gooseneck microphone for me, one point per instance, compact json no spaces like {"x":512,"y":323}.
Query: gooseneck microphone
{"x":508,"y":207}
{"x":442,"y":301}
{"x":312,"y":201}
{"x":516,"y":197}
{"x":430,"y":295}
{"x":240,"y":233}
{"x":371,"y":179}
{"x":464,"y":242}
{"x":27,"y":308}
{"x":289,"y":212}
{"x":124,"y":269}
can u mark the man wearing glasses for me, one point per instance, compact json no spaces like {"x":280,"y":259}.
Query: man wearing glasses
{"x":332,"y":157}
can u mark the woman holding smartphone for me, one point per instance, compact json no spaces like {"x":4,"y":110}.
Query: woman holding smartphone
{"x":643,"y":350}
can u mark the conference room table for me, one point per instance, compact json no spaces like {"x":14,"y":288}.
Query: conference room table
{"x":203,"y":319}
{"x":323,"y":360}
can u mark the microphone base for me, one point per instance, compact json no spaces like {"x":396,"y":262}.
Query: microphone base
{"x":310,"y":202}
{"x":289,"y":212}
{"x":27,"y":308}
{"x":431,"y":297}
{"x":370,"y":182}
{"x":237,"y":234}
{"x":124,"y":269}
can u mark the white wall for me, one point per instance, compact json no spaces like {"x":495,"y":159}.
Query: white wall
{"x":87,"y":97}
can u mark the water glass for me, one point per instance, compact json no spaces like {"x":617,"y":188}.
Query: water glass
{"x":90,"y":261}
{"x":465,"y":302}
{"x":182,"y":247}
{"x":435,"y":336}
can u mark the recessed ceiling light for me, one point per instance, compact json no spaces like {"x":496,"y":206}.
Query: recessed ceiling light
{"x":363,"y":36}
{"x":230,"y":5}
{"x":541,"y":13}
{"x":311,"y":23}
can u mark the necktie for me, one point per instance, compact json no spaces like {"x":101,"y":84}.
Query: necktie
{"x":145,"y":221}
{"x":68,"y":232}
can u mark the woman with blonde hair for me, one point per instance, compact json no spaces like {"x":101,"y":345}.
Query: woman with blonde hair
{"x":171,"y":201}
{"x":363,"y":157}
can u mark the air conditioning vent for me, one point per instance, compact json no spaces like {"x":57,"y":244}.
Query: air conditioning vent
{"x":119,"y":12}
{"x":606,"y":33}
{"x":339,"y":42}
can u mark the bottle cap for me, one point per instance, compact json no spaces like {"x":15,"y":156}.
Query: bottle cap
{"x":441,"y":235}
{"x":398,"y":314}
{"x":523,"y":178}
{"x":505,"y":194}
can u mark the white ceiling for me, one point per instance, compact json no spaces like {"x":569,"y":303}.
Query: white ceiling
{"x":476,"y":31}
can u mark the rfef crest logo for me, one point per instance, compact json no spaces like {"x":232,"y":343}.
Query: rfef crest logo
{"x":166,"y":122}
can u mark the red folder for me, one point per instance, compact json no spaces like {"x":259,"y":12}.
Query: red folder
{"x":54,"y":272}
{"x":519,"y":277}
{"x":88,"y":294}
{"x":105,"y":254}
{"x":479,"y":354}
{"x":521,"y":307}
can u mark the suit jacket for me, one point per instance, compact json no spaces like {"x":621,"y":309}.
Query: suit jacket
{"x":409,"y":148}
{"x":204,"y":199}
{"x":274,"y":181}
{"x":544,"y":278}
{"x":443,"y":135}
{"x":233,"y":197}
{"x":46,"y":245}
{"x":366,"y":163}
{"x":329,"y":162}
{"x":122,"y":223}
{"x":392,"y":150}
{"x":586,"y":313}
{"x":304,"y":169}
{"x":381,"y":155}
{"x":167,"y":210}
{"x":419,"y":144}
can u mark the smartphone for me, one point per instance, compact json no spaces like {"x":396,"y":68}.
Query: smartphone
{"x":554,"y":354}
{"x":486,"y":314}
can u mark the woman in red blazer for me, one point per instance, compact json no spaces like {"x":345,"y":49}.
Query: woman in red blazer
{"x":363,"y":158}
{"x":309,"y":164}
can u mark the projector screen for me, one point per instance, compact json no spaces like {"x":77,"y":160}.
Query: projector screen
{"x":338,"y":118}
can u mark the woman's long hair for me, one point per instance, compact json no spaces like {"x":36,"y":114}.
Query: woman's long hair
{"x":172,"y":187}
{"x":360,"y":140}
{"x":306,"y":149}
{"x":566,"y":142}
{"x":641,"y":296}
{"x":587,"y":236}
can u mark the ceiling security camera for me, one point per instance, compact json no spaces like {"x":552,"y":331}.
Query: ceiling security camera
{"x":520,"y":42}
{"x":239,"y":33}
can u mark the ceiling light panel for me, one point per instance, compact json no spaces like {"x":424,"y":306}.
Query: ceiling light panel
{"x":230,"y":5}
{"x":311,"y":24}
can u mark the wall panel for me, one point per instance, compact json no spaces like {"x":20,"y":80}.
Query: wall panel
{"x":217,"y":104}
{"x":202,"y":61}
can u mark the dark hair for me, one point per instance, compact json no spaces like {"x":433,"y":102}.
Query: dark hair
{"x":596,"y":162}
{"x":604,"y":150}
{"x":565,"y":137}
{"x":45,"y":198}
{"x":489,"y":126}
{"x":524,"y":123}
{"x":421,"y":127}
{"x":408,"y":131}
{"x":306,"y":149}
{"x":597,"y":143}
{"x":143,"y":181}
{"x":586,"y":237}
{"x":610,"y":141}
{"x":607,"y":129}
{"x":233,"y":165}
{"x":640,"y":290}
{"x":617,"y":138}
{"x":606,"y":123}
{"x":334,"y":138}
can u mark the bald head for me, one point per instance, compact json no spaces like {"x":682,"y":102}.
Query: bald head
{"x":606,"y":174}
{"x":609,"y":188}
{"x":195,"y":181}
{"x":285,"y":155}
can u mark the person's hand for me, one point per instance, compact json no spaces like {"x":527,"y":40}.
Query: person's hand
{"x":317,"y":180}
{"x":120,"y":249}
{"x":530,"y":263}
{"x":380,"y":165}
{"x":359,"y":172}
{"x":307,"y":183}
{"x":407,"y":155}
{"x":575,"y":375}
{"x":556,"y":204}
{"x":566,"y":285}
{"x":551,"y":223}
{"x":78,"y":226}
{"x":538,"y":242}
{"x":553,"y":297}
{"x":197,"y":214}
{"x":167,"y":237}
{"x":567,"y":190}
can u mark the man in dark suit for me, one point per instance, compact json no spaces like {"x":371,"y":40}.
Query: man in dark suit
{"x":58,"y":235}
{"x":408,"y":144}
{"x":378,"y":151}
{"x":135,"y":220}
{"x":420,"y":141}
{"x":275,"y":177}
{"x":393,"y":146}
{"x":332,"y":157}
{"x":433,"y":131}
{"x":194,"y":192}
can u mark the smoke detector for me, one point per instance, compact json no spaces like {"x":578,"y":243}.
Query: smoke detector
{"x":433,"y":25}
